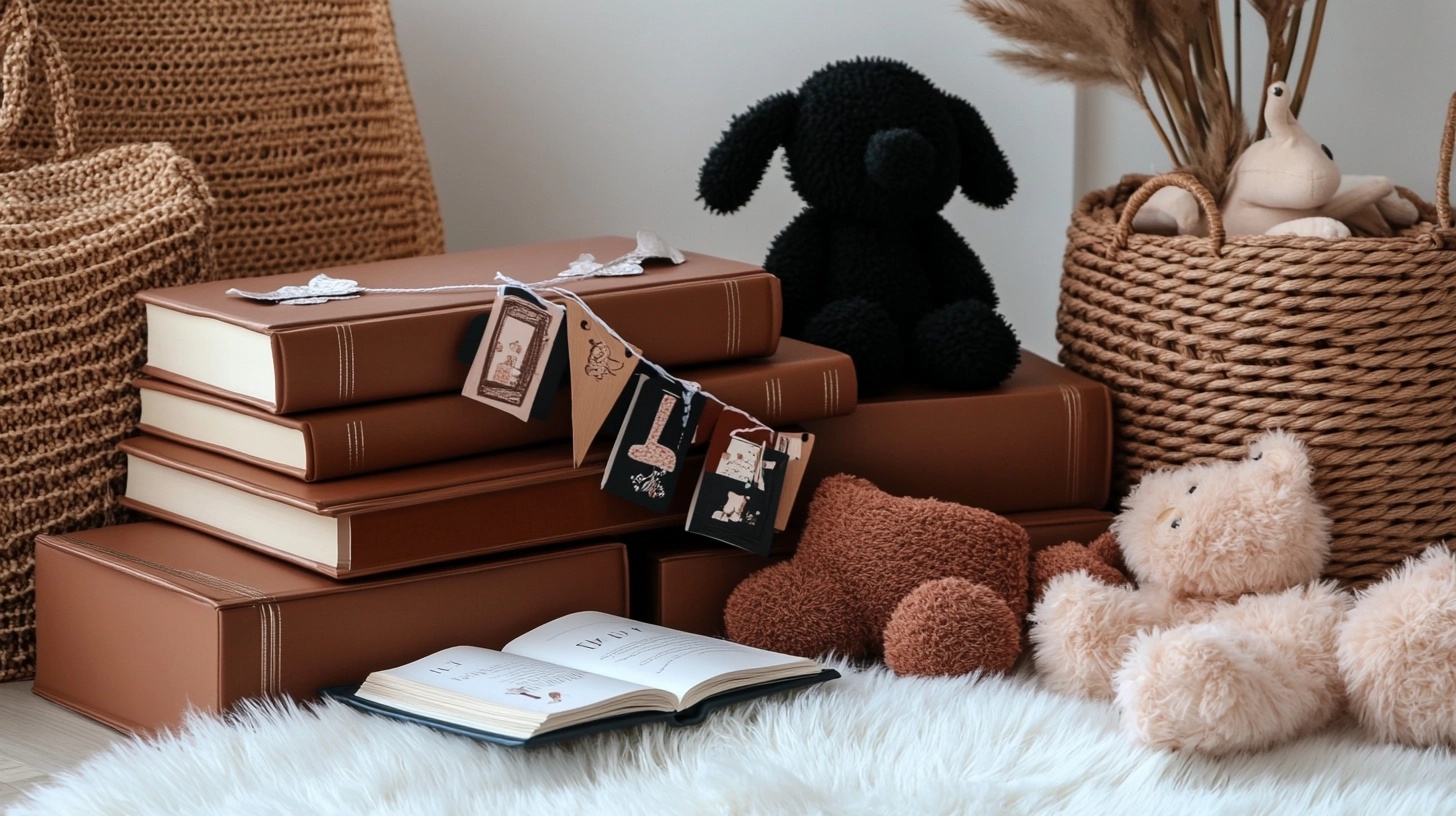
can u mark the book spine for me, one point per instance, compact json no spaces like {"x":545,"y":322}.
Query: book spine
{"x":418,"y":430}
{"x":408,"y":355}
{"x":795,"y":392}
{"x":415,"y":431}
{"x":523,"y":513}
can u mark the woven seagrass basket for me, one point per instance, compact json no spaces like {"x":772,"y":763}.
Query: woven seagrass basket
{"x":1350,"y":343}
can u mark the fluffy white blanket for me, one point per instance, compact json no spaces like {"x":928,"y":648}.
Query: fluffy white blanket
{"x":869,"y":743}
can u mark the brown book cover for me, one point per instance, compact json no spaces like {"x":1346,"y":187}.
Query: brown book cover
{"x":798,"y":382}
{"x":683,"y":581}
{"x":1040,"y":441}
{"x":392,"y":520}
{"x":286,"y":358}
{"x":138,"y":622}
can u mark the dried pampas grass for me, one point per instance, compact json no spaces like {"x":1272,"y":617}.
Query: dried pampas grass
{"x":1170,"y":55}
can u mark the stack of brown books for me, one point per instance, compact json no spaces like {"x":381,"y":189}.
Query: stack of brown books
{"x":330,"y":504}
{"x":1037,"y":449}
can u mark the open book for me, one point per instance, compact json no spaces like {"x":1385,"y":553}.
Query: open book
{"x":581,"y":673}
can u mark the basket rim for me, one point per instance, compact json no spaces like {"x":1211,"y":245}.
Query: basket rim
{"x":1099,"y":210}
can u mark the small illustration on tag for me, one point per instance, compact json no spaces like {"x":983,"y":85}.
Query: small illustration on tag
{"x":648,"y":457}
{"x":736,"y":497}
{"x":515,"y":354}
{"x":602,"y":366}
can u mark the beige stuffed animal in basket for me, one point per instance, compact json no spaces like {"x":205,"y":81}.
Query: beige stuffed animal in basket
{"x":1285,"y":184}
{"x":1227,"y":640}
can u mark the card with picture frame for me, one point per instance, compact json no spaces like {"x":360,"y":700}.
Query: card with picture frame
{"x":521,"y":360}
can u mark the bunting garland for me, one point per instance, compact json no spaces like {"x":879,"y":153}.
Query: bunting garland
{"x":747,"y":484}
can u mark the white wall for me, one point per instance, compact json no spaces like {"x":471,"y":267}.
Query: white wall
{"x":551,"y":119}
{"x":560,"y":118}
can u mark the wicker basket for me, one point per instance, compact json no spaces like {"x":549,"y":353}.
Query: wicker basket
{"x":1349,"y":343}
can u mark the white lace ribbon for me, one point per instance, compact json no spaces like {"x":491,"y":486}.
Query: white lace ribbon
{"x":322,"y":288}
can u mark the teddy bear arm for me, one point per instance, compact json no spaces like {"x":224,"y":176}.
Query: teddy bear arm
{"x":1101,"y":559}
{"x":1252,"y":674}
{"x":1081,"y":629}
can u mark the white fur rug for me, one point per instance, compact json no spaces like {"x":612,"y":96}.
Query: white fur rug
{"x":869,"y":743}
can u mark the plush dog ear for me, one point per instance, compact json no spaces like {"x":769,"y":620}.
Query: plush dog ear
{"x":986,"y":177}
{"x":735,"y":165}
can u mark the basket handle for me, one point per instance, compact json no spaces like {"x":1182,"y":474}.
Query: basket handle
{"x":1443,"y":172}
{"x":22,"y":33}
{"x":1141,"y":195}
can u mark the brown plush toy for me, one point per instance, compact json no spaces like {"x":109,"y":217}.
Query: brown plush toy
{"x":935,"y":587}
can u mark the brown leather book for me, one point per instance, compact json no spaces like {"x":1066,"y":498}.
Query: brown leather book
{"x":798,"y":382}
{"x":682,"y":581}
{"x":285,"y":358}
{"x":392,"y":520}
{"x":137,"y":622}
{"x":1042,"y":440}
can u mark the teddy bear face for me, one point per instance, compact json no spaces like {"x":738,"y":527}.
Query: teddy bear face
{"x":897,"y":157}
{"x":1222,"y":529}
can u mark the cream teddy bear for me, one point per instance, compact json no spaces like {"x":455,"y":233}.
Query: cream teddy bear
{"x":1226,"y":642}
{"x":1228,"y":639}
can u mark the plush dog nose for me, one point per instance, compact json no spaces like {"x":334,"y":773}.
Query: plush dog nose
{"x":900,"y":160}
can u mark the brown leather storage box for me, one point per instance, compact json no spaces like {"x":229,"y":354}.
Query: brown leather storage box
{"x":1041,"y":441}
{"x":136,"y":623}
{"x":679,"y":581}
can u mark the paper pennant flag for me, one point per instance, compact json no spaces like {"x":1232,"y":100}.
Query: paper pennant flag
{"x":650,"y":454}
{"x":796,"y":445}
{"x":737,"y":496}
{"x":601,"y":367}
{"x":513,"y":362}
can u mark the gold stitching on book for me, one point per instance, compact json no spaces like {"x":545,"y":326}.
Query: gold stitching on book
{"x":339,"y":338}
{"x":734,"y":315}
{"x":349,"y":336}
{"x":269,"y":615}
{"x":1072,"y":399}
{"x":775,"y":405}
{"x":354,"y":435}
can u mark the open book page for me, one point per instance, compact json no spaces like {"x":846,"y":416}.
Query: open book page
{"x":507,"y":694}
{"x":690,"y":666}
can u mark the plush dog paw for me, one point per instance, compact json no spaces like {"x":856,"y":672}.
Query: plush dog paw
{"x":952,"y":626}
{"x":1397,"y":652}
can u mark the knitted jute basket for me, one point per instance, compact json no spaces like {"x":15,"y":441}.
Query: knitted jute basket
{"x":1350,"y":344}
{"x":78,"y":238}
{"x":297,"y":113}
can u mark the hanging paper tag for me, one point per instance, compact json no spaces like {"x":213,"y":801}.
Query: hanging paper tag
{"x":515,"y":357}
{"x":648,"y":457}
{"x":738,"y":492}
{"x":601,"y":367}
{"x":796,"y":445}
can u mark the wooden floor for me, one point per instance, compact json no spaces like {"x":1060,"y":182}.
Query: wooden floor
{"x":39,"y":738}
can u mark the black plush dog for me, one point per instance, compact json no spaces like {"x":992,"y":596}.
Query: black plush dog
{"x":870,"y":267}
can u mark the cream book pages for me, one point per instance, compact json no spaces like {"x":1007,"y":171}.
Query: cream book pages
{"x":690,"y":666}
{"x":507,"y":694}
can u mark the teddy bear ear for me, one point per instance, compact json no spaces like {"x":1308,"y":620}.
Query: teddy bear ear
{"x":986,"y":177}
{"x":735,"y":165}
